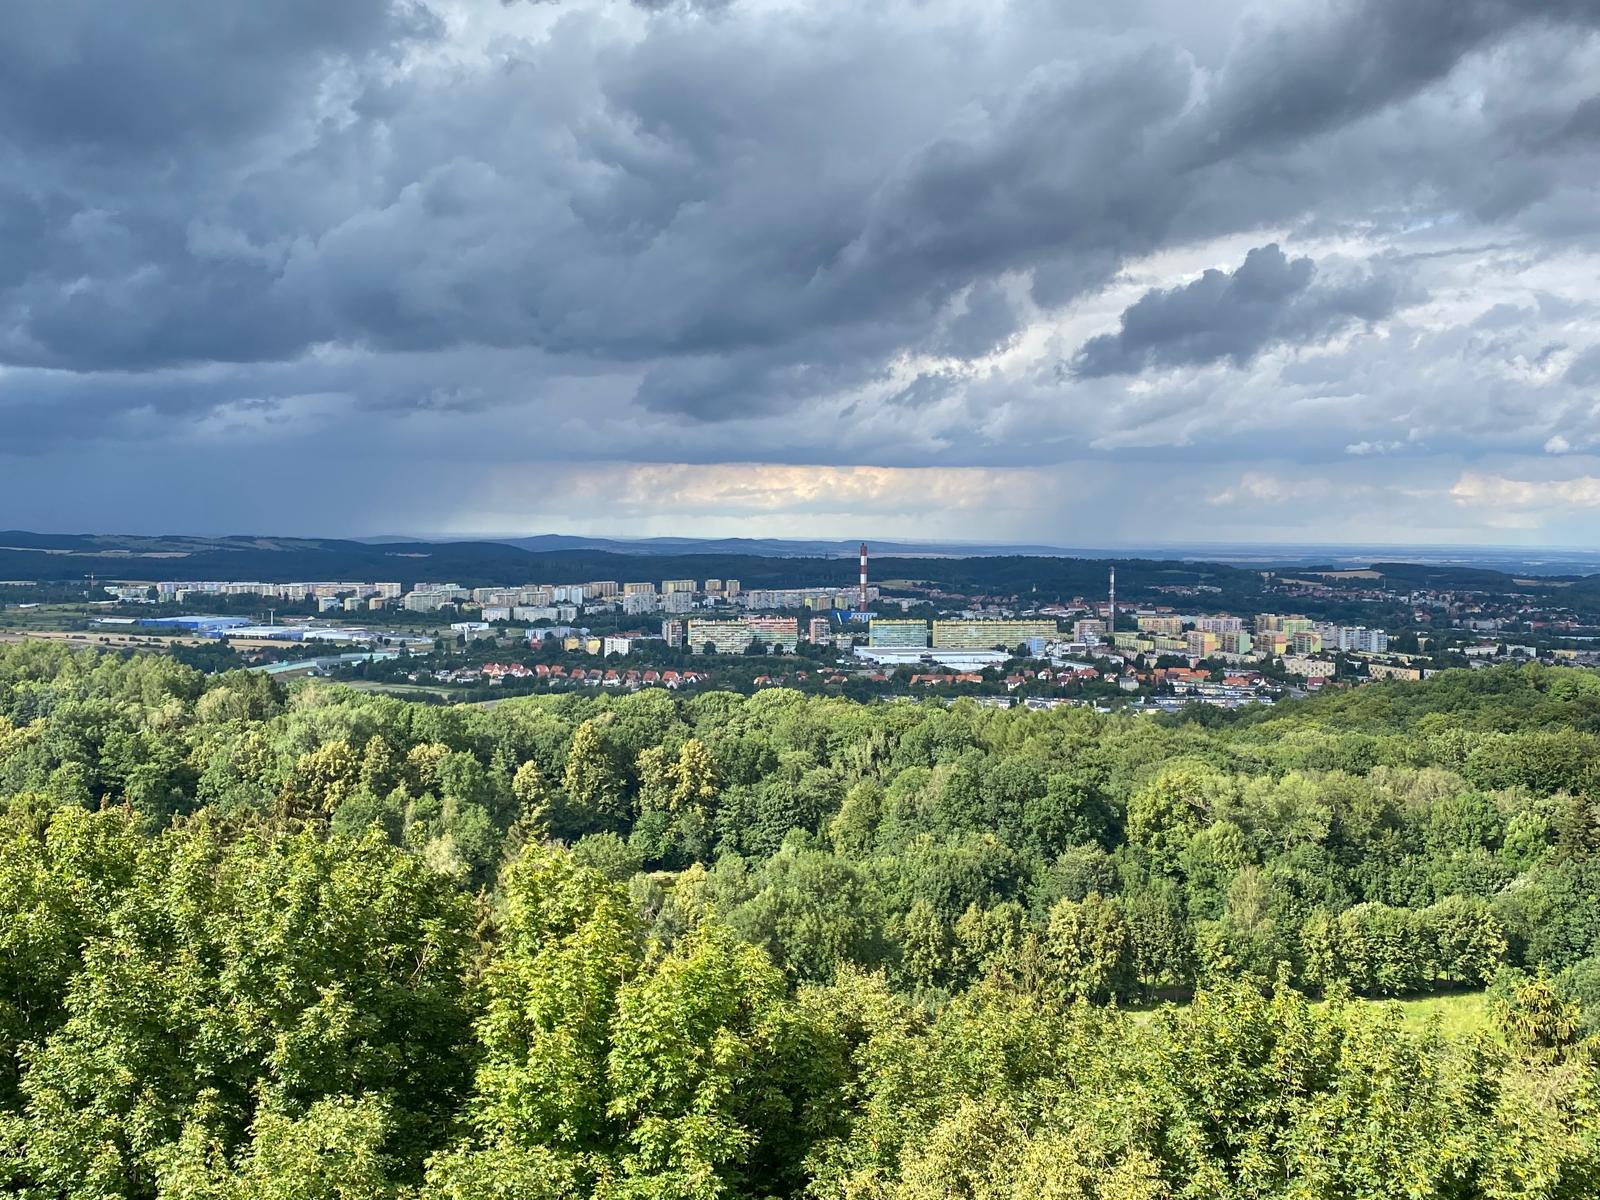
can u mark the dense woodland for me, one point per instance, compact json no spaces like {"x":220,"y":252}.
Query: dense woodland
{"x":305,"y":943}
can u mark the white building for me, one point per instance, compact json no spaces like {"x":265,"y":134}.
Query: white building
{"x":912,"y":656}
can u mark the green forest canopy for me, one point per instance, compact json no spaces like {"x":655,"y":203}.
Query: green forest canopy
{"x":258,"y":943}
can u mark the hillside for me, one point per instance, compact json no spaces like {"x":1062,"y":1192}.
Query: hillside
{"x":474,"y":564}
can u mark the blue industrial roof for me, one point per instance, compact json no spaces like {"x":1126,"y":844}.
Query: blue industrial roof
{"x":197,"y":622}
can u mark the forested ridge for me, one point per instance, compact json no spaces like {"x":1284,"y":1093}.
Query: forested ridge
{"x":269,"y":943}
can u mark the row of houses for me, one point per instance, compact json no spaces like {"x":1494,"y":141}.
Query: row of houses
{"x":593,"y":677}
{"x":799,"y":677}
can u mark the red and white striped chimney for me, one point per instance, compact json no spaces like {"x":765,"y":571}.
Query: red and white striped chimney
{"x":863,"y":607}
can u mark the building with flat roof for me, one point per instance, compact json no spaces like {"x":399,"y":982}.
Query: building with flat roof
{"x":734,"y":636}
{"x":985,"y":635}
{"x":638,"y":603}
{"x":783,"y":632}
{"x":1308,"y":668}
{"x":1237,"y":642}
{"x":200,"y":624}
{"x":425,"y":602}
{"x":1092,"y":627}
{"x":959,"y":660}
{"x":1156,"y":623}
{"x":882,"y":632}
{"x":1277,"y":623}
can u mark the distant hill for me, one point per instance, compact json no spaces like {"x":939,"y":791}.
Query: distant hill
{"x":778,"y":547}
{"x":774,"y":562}
{"x":555,"y":559}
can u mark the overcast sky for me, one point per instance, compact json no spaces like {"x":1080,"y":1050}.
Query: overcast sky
{"x":1065,"y":271}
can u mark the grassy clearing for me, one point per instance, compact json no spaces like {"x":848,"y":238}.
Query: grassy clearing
{"x":1460,"y":1014}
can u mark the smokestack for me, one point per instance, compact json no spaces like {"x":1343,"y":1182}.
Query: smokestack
{"x":863,"y":607}
{"x":1111,"y":608}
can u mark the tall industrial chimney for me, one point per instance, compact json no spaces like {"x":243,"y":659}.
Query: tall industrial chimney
{"x":863,"y":607}
{"x":1111,"y":608}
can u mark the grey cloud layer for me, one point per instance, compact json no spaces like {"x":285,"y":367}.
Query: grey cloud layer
{"x":1269,"y":300}
{"x":747,"y":213}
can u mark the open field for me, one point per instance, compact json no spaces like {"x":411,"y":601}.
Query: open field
{"x":402,"y":690}
{"x":80,"y":639}
{"x":1460,"y":1014}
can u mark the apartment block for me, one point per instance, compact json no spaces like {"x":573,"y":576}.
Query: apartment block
{"x":1237,"y":642}
{"x":735,"y":636}
{"x":897,"y":633}
{"x":1309,"y":668}
{"x":1150,"y":623}
{"x":637,"y":603}
{"x":1277,"y":623}
{"x":983,"y":635}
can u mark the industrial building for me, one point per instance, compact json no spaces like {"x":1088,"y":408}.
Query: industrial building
{"x":958,"y":660}
{"x":198,"y":624}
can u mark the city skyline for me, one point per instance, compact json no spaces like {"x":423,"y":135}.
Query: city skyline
{"x":1313,"y":274}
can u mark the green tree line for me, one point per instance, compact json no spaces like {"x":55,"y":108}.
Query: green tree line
{"x":269,"y":943}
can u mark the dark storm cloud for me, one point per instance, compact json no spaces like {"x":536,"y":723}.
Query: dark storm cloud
{"x":705,"y":189}
{"x":986,"y":320}
{"x":739,"y":213}
{"x":165,"y":76}
{"x":1270,"y":299}
{"x":1350,"y":57}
